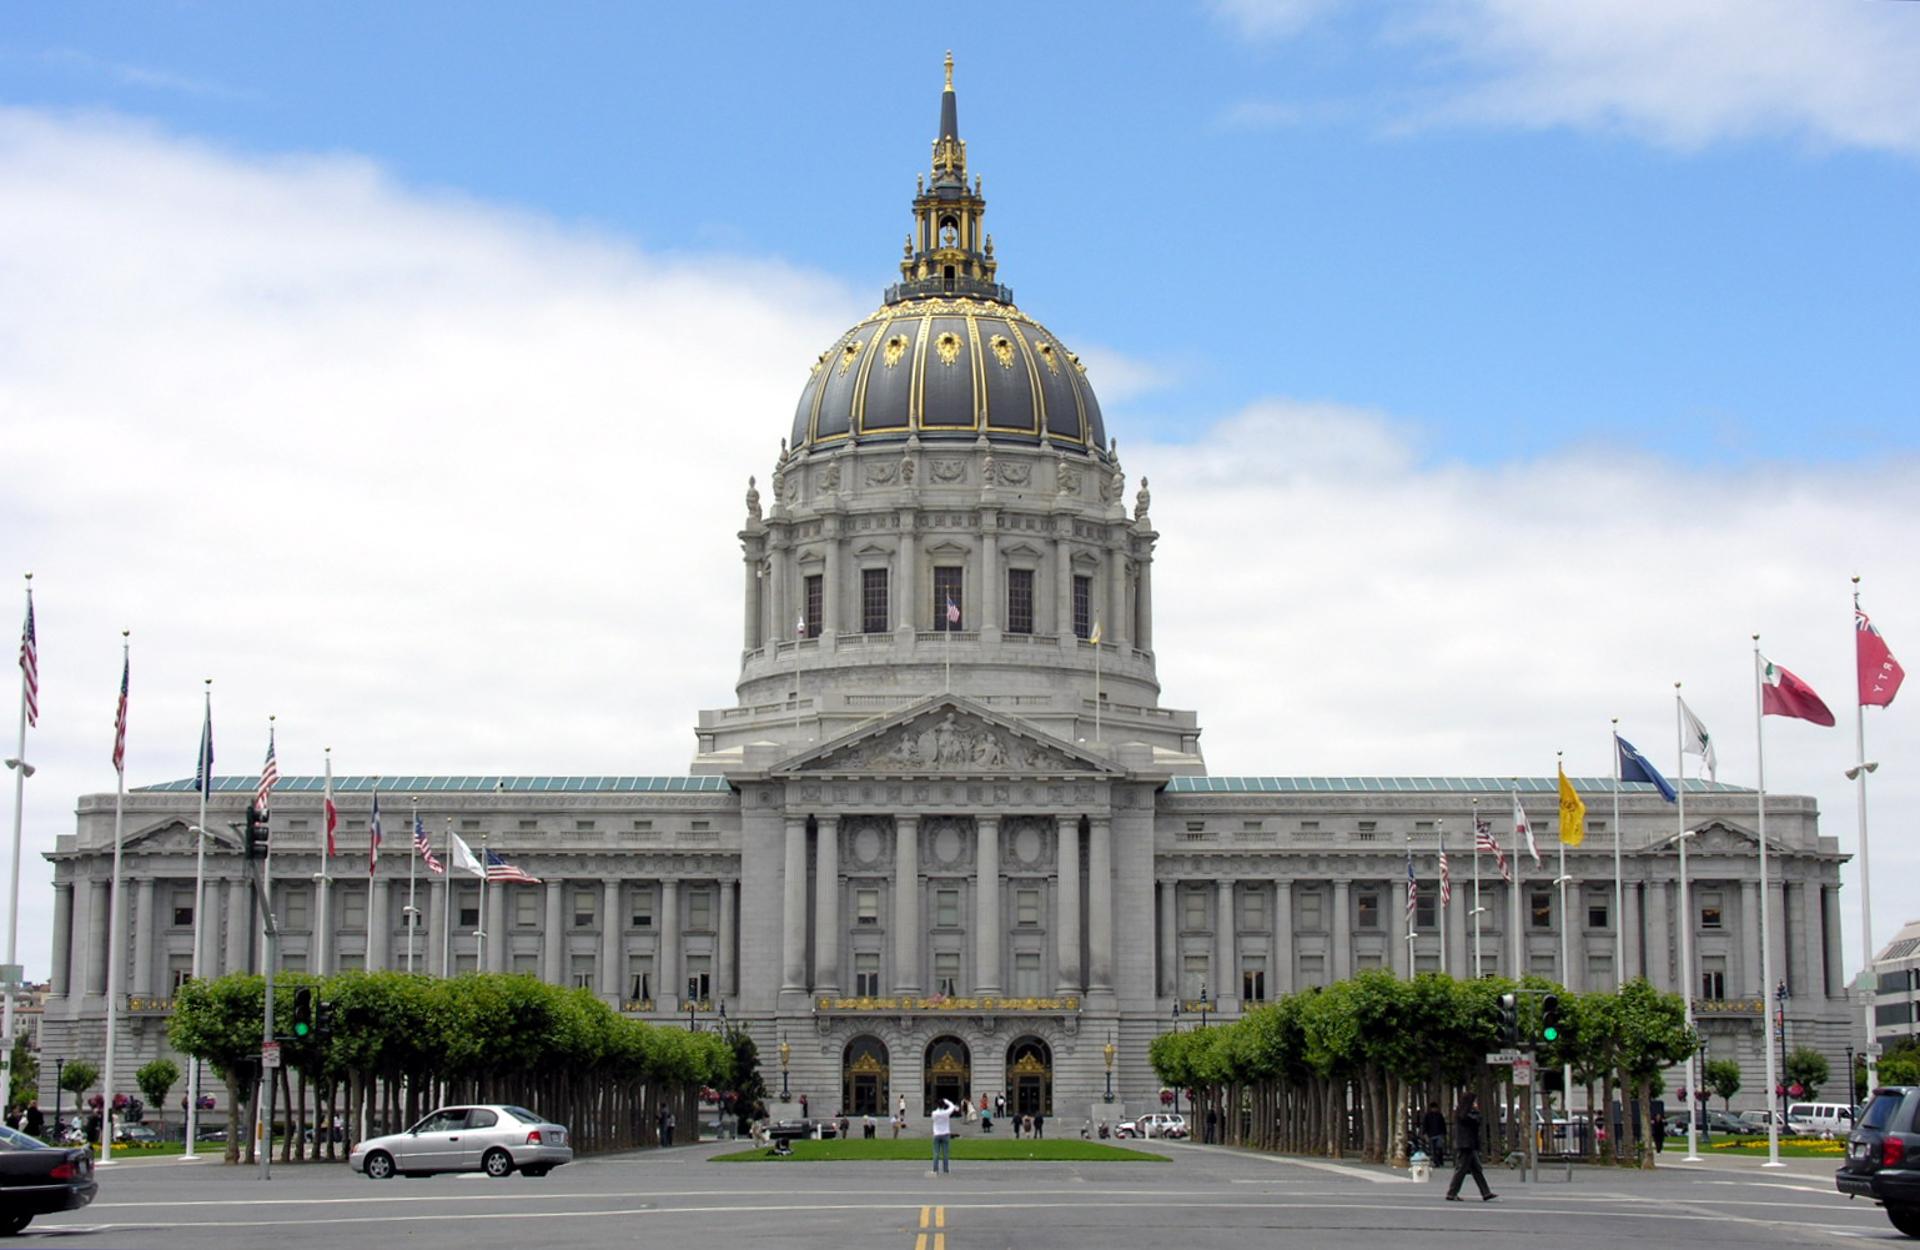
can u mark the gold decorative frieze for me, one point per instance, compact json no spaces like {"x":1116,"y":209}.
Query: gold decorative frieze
{"x":946,"y":1003}
{"x":948,"y":345}
{"x":141,"y":1005}
{"x":1728,"y":1008}
{"x":1002,"y":350}
{"x":895,"y":348}
{"x":637,"y":1004}
{"x":850,"y":354}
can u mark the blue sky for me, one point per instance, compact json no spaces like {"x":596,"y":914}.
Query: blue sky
{"x":1259,"y":199}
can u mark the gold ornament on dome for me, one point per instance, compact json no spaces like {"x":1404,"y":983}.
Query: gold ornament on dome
{"x":1002,"y":350}
{"x":948,"y":345}
{"x":894,"y":349}
{"x":849,"y":354}
{"x":1046,"y":351}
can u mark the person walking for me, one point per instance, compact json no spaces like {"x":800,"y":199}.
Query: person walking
{"x":1039,"y":1125}
{"x":1466,"y":1147}
{"x":33,"y":1122}
{"x":1433,"y":1126}
{"x":943,"y":1136}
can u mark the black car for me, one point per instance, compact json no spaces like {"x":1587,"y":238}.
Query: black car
{"x":1883,"y":1156}
{"x":36,"y":1179}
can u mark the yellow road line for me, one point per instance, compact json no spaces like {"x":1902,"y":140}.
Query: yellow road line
{"x":939,"y":1217}
{"x":939,"y":1241}
{"x":920,"y":1242}
{"x":925,"y":1212}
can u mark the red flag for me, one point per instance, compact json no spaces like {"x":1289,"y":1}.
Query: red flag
{"x":1880,"y":673}
{"x":333,"y":822}
{"x":1783,"y":694}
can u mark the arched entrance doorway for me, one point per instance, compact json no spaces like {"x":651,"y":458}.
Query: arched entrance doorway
{"x":863,"y":1076}
{"x":949,"y":1073}
{"x":1030,"y":1077}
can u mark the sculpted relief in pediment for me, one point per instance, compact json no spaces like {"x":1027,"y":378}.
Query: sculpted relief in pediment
{"x":952,"y":742}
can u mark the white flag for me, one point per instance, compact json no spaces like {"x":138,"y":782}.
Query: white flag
{"x":463,"y":857}
{"x":1523,"y":830}
{"x":1695,"y":740}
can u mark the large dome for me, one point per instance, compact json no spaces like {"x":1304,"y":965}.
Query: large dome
{"x":949,"y":368}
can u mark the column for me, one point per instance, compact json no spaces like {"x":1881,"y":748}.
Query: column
{"x":1340,"y":924}
{"x":986,"y":909}
{"x":96,"y":931}
{"x":751,"y":638}
{"x":1636,"y":921}
{"x":1280,"y":964}
{"x":496,"y":928}
{"x":238,"y":930}
{"x":723,"y":961}
{"x":430,"y":939}
{"x":1800,"y":937}
{"x":826,"y":905}
{"x":906,"y":904}
{"x":991,"y":600}
{"x":1833,"y":982}
{"x":1066,"y":915}
{"x":553,"y":943}
{"x":1396,"y":925}
{"x":1662,"y":944}
{"x":141,"y":982}
{"x":380,"y":924}
{"x":1143,"y":606}
{"x":793,"y":936}
{"x":831,"y":590}
{"x":1116,"y":631}
{"x":1063,"y":583}
{"x":779,"y":615}
{"x":612,"y":944}
{"x":666,"y":995}
{"x":1225,"y":969}
{"x":1100,"y":903}
{"x":1750,"y":969}
{"x":63,"y":939}
{"x":1459,"y":927}
{"x":906,"y":596}
{"x":1169,"y":939}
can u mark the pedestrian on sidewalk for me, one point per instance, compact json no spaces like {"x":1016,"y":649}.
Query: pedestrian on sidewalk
{"x":1433,"y":1126}
{"x":943,"y":1136}
{"x":1466,"y":1146}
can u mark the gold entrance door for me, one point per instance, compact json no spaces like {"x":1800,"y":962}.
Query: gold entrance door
{"x":1030,"y":1076}
{"x":949,"y":1073}
{"x":863,"y":1077}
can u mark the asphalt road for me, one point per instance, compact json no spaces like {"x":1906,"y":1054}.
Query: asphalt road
{"x":1204,"y":1197}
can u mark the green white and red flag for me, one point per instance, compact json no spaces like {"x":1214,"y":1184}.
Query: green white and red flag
{"x":1783,"y":694}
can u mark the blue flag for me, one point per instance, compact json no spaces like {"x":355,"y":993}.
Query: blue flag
{"x":1634,"y":767}
{"x":203,"y":769}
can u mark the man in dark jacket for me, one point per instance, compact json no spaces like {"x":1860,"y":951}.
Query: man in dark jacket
{"x":1433,"y":1127}
{"x":1466,"y":1145}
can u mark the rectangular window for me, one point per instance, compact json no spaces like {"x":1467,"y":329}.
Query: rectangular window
{"x":1596,"y":913}
{"x":1426,"y":907}
{"x":700,"y":977}
{"x":580,"y":971}
{"x":815,"y":603}
{"x":353,"y":908}
{"x":1193,"y":910}
{"x":1253,"y":978}
{"x":946,"y":973}
{"x":1367,"y":909}
{"x":1026,"y":907}
{"x":1082,"y":607}
{"x":640,"y":977}
{"x":583,"y":909}
{"x":413,"y":917}
{"x":949,"y":601}
{"x":529,"y":826}
{"x":583,"y":826}
{"x":1713,"y":977}
{"x":1019,"y":601}
{"x":873,"y":601}
{"x":469,"y":826}
{"x":700,"y":909}
{"x":866,"y":906}
{"x":183,"y":909}
{"x":1540,"y":908}
{"x":1253,"y":910}
{"x":1542,"y":966}
{"x":296,"y":905}
{"x":1312,"y":919}
{"x":470,"y":909}
{"x":1196,"y":976}
{"x":946,"y":909}
{"x":179,"y":971}
{"x":1710,"y":905}
{"x":526,"y":909}
{"x":293,"y":963}
{"x":1600,"y":969}
{"x":463,"y":964}
{"x":1369,"y":961}
{"x":352,"y":962}
{"x":1313,"y":970}
{"x":866,"y":975}
{"x":1026,"y":975}
{"x":526,"y":964}
{"x":641,"y":898}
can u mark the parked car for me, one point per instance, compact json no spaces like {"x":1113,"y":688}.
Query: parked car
{"x":494,"y":1138}
{"x":1155,"y":1124}
{"x":38,"y":1179}
{"x":1717,"y":1123}
{"x":135,"y":1134}
{"x":1883,"y":1156}
{"x":1759,"y":1120}
{"x":1820,"y":1119}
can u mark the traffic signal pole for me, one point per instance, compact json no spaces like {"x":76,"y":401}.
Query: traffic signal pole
{"x":264,"y":1096}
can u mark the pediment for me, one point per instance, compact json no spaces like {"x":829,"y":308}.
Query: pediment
{"x":168,"y":835}
{"x":1720,"y":838}
{"x":947,"y":735}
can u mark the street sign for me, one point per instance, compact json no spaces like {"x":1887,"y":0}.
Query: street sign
{"x":269,"y":1054}
{"x":1503,"y":1056}
{"x":12,"y":976}
{"x":1523,"y":1071}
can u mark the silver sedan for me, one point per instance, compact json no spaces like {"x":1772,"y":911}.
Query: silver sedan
{"x":494,"y":1138}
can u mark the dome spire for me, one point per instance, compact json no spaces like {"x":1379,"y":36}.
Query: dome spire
{"x":948,"y":253}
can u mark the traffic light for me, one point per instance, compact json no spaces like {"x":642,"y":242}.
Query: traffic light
{"x":323,"y":1019}
{"x":256,"y":832}
{"x":302,"y":1012}
{"x":1551,"y":1028}
{"x":1509,"y":1020}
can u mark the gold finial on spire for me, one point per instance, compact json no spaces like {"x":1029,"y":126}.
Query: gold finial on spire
{"x":949,"y":69}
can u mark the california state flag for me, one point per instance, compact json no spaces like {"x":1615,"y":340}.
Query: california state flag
{"x":1783,"y":694}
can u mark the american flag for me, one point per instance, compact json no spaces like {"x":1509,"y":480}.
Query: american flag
{"x":500,"y":870}
{"x":1413,"y":887}
{"x":269,"y":777}
{"x":953,"y":611}
{"x":1483,"y":840}
{"x":1446,"y":880}
{"x":120,"y":720}
{"x":424,"y":849}
{"x":373,"y":836}
{"x":30,"y":665}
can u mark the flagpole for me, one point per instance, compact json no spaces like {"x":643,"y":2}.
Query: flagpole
{"x":446,"y":909}
{"x":113,"y":929}
{"x":1413,"y":890}
{"x":1686,"y":925}
{"x":21,"y":771}
{"x":1514,"y":889}
{"x":1440,"y":872}
{"x":1476,"y":889}
{"x":1766,"y":924}
{"x":413,"y":863}
{"x":1566,"y":969}
{"x":1619,"y":880}
{"x":266,"y":869}
{"x":480,"y":930}
{"x":1096,"y":701}
{"x":204,"y":771}
{"x":1860,"y":770}
{"x":373,"y":866}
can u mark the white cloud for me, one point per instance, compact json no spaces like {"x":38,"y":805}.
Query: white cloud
{"x":1267,"y":19}
{"x":1683,"y":73}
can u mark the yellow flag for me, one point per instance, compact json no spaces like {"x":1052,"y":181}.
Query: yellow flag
{"x":1095,"y":639}
{"x":1573,"y":813}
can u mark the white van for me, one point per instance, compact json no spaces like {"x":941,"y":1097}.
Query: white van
{"x":1819,"y":1119}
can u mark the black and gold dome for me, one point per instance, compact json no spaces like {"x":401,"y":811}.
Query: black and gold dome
{"x":948,"y":355}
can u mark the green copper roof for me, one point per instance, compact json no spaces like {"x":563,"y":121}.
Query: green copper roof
{"x":462,"y":785}
{"x":1424,"y":785}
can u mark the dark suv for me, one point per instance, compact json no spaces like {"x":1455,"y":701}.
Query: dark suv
{"x":1883,"y":1156}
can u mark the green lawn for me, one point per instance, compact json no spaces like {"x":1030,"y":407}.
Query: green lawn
{"x":920,"y":1150}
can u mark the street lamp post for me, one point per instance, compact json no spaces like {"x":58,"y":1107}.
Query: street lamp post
{"x":1108,"y":1052}
{"x":786,"y":1054}
{"x":1205,"y":1002}
{"x":59,"y":1066}
{"x":1780,"y":1027}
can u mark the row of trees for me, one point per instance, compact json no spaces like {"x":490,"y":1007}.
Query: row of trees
{"x":1349,"y":1066}
{"x":403,"y":1043}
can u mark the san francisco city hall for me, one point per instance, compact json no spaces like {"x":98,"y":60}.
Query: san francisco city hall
{"x":926,"y":846}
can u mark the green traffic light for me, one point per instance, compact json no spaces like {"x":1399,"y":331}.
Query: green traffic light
{"x":1550,"y":1033}
{"x":300,"y":1029}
